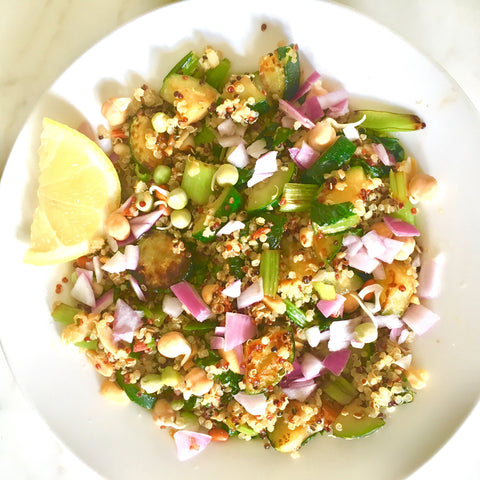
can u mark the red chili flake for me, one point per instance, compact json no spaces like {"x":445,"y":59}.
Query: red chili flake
{"x":65,"y":280}
{"x":251,"y":119}
{"x":282,"y":201}
{"x":228,"y":247}
{"x":58,"y":288}
{"x":414,"y":211}
{"x":139,"y":346}
{"x":402,"y":288}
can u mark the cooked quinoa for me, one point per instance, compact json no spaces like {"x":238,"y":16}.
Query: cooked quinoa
{"x":243,"y":307}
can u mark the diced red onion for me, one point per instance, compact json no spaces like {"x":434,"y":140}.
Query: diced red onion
{"x":84,"y":271}
{"x":332,"y":308}
{"x":399,"y":335}
{"x":267,"y":163}
{"x":126,"y":204}
{"x":126,"y":321}
{"x":136,"y":288}
{"x":143,"y":223}
{"x":338,"y":110}
{"x":238,"y":156}
{"x":230,"y":227}
{"x":252,"y":294}
{"x":112,"y":243}
{"x":383,"y":155}
{"x":419,"y":318}
{"x":295,"y":374}
{"x":231,"y":141}
{"x":172,"y":306}
{"x":400,"y":228}
{"x":336,"y":361}
{"x":257,"y":148}
{"x":132,"y":255}
{"x":332,"y":99}
{"x":97,"y":268}
{"x":115,"y":264}
{"x":392,"y":247}
{"x":381,"y":248}
{"x":103,"y":302}
{"x":220,"y":331}
{"x":238,"y":329}
{"x":295,"y":113}
{"x":191,"y":300}
{"x":300,"y":390}
{"x":404,"y":362}
{"x":238,"y":350}
{"x":341,"y":333}
{"x":312,"y":109}
{"x":257,"y":178}
{"x":379,"y":272}
{"x":430,"y":276}
{"x":305,"y":156}
{"x":389,"y":321}
{"x":233,"y":290}
{"x":227,"y":128}
{"x":313,"y":335}
{"x":311,"y":366}
{"x":307,"y":85}
{"x":362,"y":261}
{"x":190,"y":444}
{"x":217,"y":343}
{"x":253,"y":404}
{"x":83,"y":291}
{"x":288,"y":122}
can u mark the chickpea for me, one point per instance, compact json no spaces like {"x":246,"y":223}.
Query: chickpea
{"x":208,"y":291}
{"x":407,"y":248}
{"x":317,"y":89}
{"x":231,"y":357}
{"x":99,"y":361}
{"x":117,"y":226}
{"x":198,"y":382}
{"x":306,"y":236}
{"x":115,"y":110}
{"x":321,"y":136}
{"x":113,"y":392}
{"x":163,"y":414}
{"x":382,"y":229}
{"x":173,"y":345}
{"x":350,"y":304}
{"x":422,"y":187}
{"x":417,"y":378}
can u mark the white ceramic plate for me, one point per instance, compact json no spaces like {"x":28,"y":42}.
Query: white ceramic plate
{"x":377,"y":68}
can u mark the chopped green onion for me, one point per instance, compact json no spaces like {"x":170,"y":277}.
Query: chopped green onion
{"x":269,"y":268}
{"x":295,"y":314}
{"x":217,"y":77}
{"x":64,"y":313}
{"x":388,"y":121}
{"x":298,"y":197}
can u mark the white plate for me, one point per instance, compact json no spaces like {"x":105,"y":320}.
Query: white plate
{"x":376,"y":67}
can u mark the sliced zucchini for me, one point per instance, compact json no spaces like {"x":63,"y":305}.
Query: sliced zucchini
{"x":329,"y":219}
{"x":280,"y":72}
{"x":188,"y":65}
{"x":339,"y":389}
{"x":356,"y":183}
{"x":332,"y":159}
{"x":398,"y":287}
{"x":267,"y":193}
{"x":227,"y":203}
{"x":326,"y":247}
{"x":140,"y":126}
{"x":343,"y":281}
{"x":191,"y":98}
{"x":266,"y":365}
{"x":244,"y":88}
{"x":158,"y":263}
{"x":353,"y":424}
{"x":284,"y":439}
{"x":217,"y":76}
{"x":197,"y":180}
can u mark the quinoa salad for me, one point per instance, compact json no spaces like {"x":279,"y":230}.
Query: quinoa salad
{"x":263,"y":277}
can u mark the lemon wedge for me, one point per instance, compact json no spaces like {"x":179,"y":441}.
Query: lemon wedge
{"x":78,"y":189}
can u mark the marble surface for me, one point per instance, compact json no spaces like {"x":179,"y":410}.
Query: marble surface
{"x":38,"y":41}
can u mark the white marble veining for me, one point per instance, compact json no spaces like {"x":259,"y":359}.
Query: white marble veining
{"x":38,"y":41}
